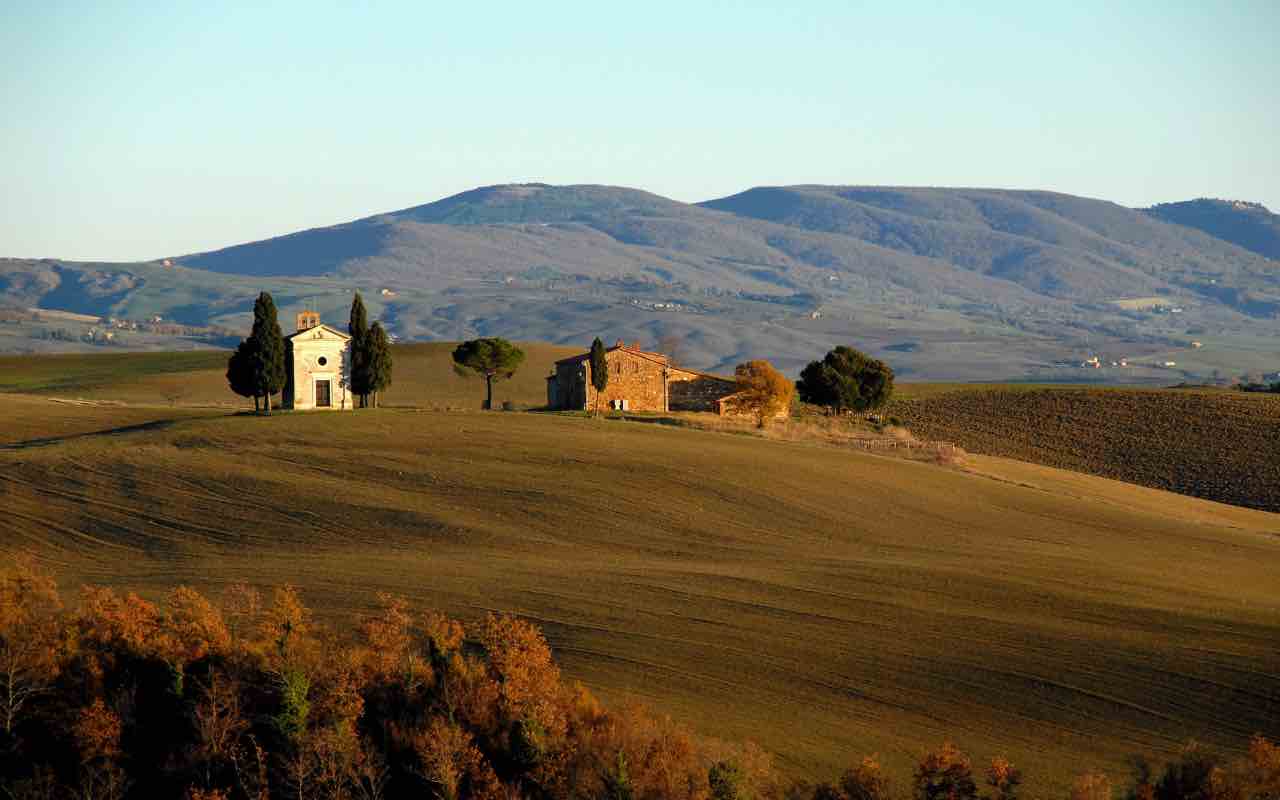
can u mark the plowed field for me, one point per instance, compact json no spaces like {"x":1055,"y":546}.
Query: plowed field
{"x":1217,"y":445}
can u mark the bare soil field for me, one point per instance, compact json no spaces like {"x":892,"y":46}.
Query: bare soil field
{"x":1219,"y":445}
{"x":824,"y":602}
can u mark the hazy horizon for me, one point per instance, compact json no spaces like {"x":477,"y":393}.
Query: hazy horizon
{"x":151,"y":132}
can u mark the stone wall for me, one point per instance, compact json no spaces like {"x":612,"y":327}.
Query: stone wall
{"x":694,"y":391}
{"x":645,"y":381}
{"x":637,"y":378}
{"x":566,"y":392}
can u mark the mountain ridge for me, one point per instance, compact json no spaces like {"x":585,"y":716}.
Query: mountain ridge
{"x":1250,"y":225}
{"x":780,"y":270}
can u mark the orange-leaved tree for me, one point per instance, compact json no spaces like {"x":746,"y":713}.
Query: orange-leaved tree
{"x":1003,"y":778}
{"x":763,"y":392}
{"x":29,"y":637}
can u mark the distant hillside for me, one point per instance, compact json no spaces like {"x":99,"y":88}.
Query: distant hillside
{"x":1053,"y":244}
{"x":1249,"y":225}
{"x":955,"y":283}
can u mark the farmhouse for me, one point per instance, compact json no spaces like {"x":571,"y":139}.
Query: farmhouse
{"x":638,"y":381}
{"x":317,"y":366}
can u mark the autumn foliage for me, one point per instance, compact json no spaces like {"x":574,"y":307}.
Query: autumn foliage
{"x":247,"y":697}
{"x":763,"y":392}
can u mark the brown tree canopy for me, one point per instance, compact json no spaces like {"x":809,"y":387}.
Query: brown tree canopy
{"x":763,"y":392}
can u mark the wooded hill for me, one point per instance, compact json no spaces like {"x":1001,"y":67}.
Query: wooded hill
{"x":971,"y":282}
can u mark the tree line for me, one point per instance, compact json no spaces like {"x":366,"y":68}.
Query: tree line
{"x":248,"y":697}
{"x":258,"y":369}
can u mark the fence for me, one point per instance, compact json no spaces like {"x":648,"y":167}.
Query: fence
{"x":887,"y":443}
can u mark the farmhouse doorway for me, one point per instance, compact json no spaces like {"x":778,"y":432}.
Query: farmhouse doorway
{"x":323,"y":399}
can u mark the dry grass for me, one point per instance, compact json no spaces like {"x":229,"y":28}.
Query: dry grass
{"x":816,"y":428}
{"x":824,"y":602}
{"x":423,"y":377}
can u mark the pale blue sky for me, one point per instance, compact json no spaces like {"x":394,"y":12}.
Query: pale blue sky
{"x":139,"y":130}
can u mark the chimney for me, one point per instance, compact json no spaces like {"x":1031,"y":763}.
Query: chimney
{"x":635,"y":345}
{"x":308,"y":320}
{"x":619,"y":343}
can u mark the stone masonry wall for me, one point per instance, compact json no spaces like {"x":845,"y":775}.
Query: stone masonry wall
{"x":692,"y":391}
{"x":635,"y":378}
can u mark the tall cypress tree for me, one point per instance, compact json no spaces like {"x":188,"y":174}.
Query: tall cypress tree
{"x":358,"y":327}
{"x":378,"y":353}
{"x":268,"y":350}
{"x":599,"y":370}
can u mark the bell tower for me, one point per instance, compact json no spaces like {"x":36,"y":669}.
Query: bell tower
{"x":308,"y":320}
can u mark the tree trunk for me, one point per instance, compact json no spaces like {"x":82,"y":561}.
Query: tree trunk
{"x":256,"y":404}
{"x":488,"y":392}
{"x":267,"y":403}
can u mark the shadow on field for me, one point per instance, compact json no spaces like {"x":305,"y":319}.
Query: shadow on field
{"x":154,"y":425}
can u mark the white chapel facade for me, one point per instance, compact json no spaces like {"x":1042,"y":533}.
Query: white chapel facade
{"x":317,"y":366}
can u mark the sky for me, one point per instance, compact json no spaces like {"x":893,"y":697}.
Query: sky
{"x":133,"y":131}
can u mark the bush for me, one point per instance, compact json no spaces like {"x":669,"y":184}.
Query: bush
{"x":944,"y":774}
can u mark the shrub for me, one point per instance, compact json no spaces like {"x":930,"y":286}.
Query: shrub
{"x":944,"y":774}
{"x":725,"y":779}
{"x":866,"y":781}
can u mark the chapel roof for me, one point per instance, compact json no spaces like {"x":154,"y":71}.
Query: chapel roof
{"x":328,"y":328}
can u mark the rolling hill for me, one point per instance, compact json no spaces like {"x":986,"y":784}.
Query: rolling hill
{"x":823,"y":602}
{"x":1249,"y":225}
{"x":980,"y":283}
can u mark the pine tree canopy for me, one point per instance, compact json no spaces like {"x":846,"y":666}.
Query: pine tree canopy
{"x":846,"y":380}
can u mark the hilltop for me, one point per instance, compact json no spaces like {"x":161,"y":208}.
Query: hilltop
{"x":959,"y":283}
{"x":1250,"y":225}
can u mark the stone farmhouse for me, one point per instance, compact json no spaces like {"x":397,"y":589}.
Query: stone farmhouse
{"x":317,"y":366}
{"x":638,"y":381}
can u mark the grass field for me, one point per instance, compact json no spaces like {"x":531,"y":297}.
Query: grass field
{"x":1216,"y":444}
{"x":423,"y":377}
{"x":823,"y":602}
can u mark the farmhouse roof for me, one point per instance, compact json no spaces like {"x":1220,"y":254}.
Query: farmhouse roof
{"x":328,"y":328}
{"x":657,"y":358}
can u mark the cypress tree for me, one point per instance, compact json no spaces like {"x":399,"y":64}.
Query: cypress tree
{"x":599,"y":370}
{"x":358,"y":327}
{"x":240,"y":371}
{"x":378,"y":354}
{"x":268,"y":349}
